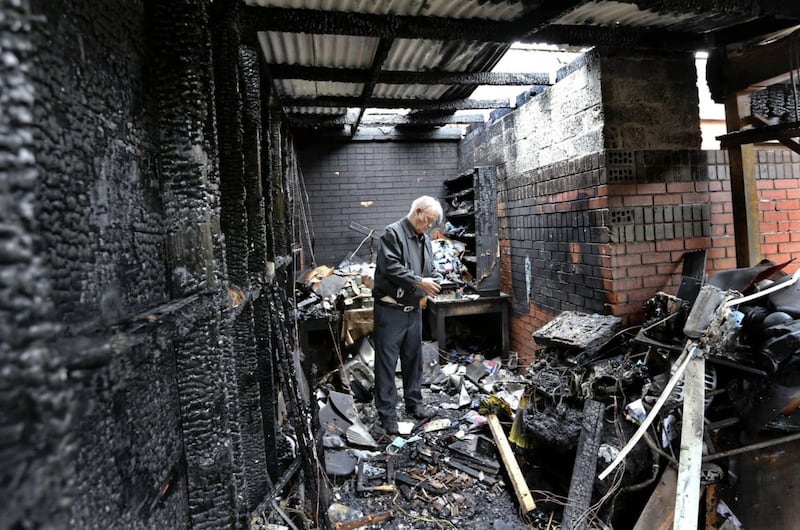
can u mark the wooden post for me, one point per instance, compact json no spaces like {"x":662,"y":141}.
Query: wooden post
{"x":744,"y":193}
{"x":659,"y":512}
{"x":510,"y":461}
{"x":687,"y":497}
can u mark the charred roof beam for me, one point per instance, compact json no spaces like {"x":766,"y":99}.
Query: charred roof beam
{"x":628,"y":37}
{"x":399,"y":77}
{"x":397,"y":103}
{"x":742,"y":8}
{"x":314,"y":21}
{"x":751,"y":30}
{"x":531,"y":28}
{"x":302,"y":121}
{"x":543,"y":13}
{"x":381,"y":53}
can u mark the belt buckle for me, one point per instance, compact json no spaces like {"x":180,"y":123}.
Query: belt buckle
{"x":408,"y":308}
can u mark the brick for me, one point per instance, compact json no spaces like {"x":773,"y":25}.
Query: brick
{"x":788,"y":205}
{"x":697,"y":243}
{"x":626,"y":284}
{"x":680,"y":187}
{"x":781,"y":237}
{"x":775,"y":216}
{"x":670,"y":244}
{"x":785,"y":183}
{"x":637,"y":200}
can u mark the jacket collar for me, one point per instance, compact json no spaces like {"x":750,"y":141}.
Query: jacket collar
{"x":409,"y":230}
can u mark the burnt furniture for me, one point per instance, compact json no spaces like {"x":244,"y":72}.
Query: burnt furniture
{"x":440,"y":310}
{"x":471,"y":212}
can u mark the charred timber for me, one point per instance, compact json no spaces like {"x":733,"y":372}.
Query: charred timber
{"x":302,"y":121}
{"x":621,"y":37}
{"x":381,"y":53}
{"x":394,"y":77}
{"x":314,"y":21}
{"x":398,"y":103}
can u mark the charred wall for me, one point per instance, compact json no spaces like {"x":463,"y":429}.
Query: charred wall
{"x":371,"y":183}
{"x":141,"y":320}
{"x":578,"y":169}
{"x":602,"y":190}
{"x":84,"y":425}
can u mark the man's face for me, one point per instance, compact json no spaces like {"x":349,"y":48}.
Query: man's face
{"x":423,"y":220}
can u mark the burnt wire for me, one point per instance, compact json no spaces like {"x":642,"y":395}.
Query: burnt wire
{"x":559,"y":500}
{"x":794,"y":65}
{"x":305,"y":215}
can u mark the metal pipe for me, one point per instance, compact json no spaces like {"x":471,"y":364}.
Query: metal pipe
{"x":752,"y":447}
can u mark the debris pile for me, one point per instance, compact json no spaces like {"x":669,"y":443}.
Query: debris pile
{"x":324,"y":292}
{"x":592,"y":435}
{"x":443,"y":470}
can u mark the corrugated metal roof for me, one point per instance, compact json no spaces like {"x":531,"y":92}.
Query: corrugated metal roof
{"x":338,"y":51}
{"x":629,"y":15}
{"x":472,"y":44}
{"x":490,"y":10}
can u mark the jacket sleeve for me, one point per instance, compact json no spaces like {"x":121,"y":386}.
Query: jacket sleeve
{"x":394,"y":266}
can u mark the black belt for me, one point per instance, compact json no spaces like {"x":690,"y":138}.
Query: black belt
{"x":403,"y":308}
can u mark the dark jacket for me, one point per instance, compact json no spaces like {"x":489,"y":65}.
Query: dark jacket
{"x":397,"y":262}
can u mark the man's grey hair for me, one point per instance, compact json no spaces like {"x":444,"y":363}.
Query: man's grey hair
{"x":426,"y":202}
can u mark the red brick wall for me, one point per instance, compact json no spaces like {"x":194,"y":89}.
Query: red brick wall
{"x":778,"y":174}
{"x":652,"y":225}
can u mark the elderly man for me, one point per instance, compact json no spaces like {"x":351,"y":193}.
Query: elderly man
{"x":404,"y":276}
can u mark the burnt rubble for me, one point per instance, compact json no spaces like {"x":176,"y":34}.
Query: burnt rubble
{"x":589,"y":435}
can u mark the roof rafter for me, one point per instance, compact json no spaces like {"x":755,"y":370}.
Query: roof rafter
{"x":397,"y":103}
{"x":399,"y":77}
{"x":381,"y":53}
{"x":629,"y":37}
{"x":753,"y":8}
{"x":533,"y":28}
{"x":306,"y":121}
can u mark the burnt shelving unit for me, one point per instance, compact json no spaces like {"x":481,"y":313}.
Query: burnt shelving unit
{"x":471,"y":205}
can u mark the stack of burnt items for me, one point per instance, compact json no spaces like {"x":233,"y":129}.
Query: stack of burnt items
{"x":324,"y":292}
{"x":618,"y":420}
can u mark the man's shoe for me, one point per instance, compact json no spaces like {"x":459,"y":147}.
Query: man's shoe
{"x":389,"y":424}
{"x":420,"y":412}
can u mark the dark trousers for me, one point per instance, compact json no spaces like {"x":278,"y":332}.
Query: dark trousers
{"x":397,"y":335}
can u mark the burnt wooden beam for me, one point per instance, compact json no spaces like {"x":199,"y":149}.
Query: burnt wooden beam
{"x":545,"y":13}
{"x":384,"y":134}
{"x":761,"y":66}
{"x":398,"y":77}
{"x":317,"y":121}
{"x":740,"y":8}
{"x":578,"y":509}
{"x":744,"y":189}
{"x":759,"y":134}
{"x":398,"y":103}
{"x":303,"y":121}
{"x":750,"y":30}
{"x":628,"y":37}
{"x":314,"y":21}
{"x":381,"y":53}
{"x":424,"y":120}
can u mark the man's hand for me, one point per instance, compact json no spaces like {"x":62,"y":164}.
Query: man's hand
{"x":429,"y":286}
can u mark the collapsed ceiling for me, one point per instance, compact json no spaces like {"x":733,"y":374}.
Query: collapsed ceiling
{"x":343,"y":67}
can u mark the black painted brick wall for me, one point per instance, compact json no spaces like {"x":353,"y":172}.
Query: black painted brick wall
{"x":556,"y":236}
{"x":389,"y":175}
